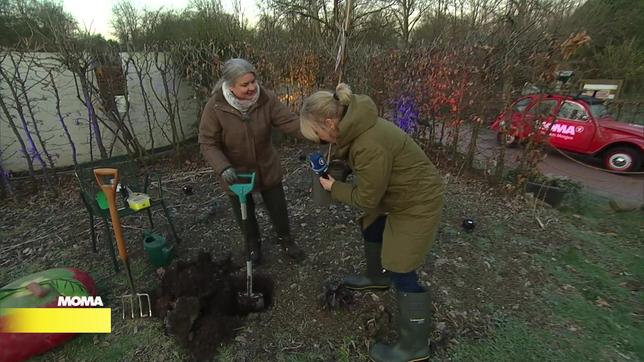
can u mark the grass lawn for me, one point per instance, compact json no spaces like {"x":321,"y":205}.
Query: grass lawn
{"x":593,"y":304}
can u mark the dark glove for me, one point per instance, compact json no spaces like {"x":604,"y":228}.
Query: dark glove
{"x":229,"y":175}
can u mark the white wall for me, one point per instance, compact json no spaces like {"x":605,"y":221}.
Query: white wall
{"x":34,"y":67}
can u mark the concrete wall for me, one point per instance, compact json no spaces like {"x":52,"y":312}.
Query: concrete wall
{"x":34,"y":68}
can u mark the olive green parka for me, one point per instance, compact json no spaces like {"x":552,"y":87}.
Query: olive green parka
{"x":393,"y":176}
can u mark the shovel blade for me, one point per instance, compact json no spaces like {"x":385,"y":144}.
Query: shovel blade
{"x":250,"y":302}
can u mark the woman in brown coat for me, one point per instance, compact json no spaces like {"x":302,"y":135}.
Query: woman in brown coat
{"x":235,"y":137}
{"x":401,"y":193}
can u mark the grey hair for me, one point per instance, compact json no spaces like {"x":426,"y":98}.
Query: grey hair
{"x":232,"y":70}
{"x":322,"y":105}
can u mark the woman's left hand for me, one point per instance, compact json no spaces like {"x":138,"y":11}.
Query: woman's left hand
{"x":327,"y":183}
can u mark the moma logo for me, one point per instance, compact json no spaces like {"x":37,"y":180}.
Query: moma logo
{"x":80,"y":301}
{"x":560,"y":128}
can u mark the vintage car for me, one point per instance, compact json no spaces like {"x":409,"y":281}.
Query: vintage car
{"x":579,"y":125}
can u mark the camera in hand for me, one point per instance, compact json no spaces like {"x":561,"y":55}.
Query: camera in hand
{"x":318,"y":164}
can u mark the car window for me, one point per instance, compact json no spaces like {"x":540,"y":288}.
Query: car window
{"x":599,"y":111}
{"x":572,"y":111}
{"x":521,"y":105}
{"x":543,"y":107}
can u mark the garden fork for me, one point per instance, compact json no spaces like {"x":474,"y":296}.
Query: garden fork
{"x":111,"y":175}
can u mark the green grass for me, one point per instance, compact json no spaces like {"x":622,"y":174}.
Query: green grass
{"x":513,"y":341}
{"x":593,"y":303}
{"x":606,"y":265}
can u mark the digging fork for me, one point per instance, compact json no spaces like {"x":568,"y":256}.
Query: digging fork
{"x":109,"y":189}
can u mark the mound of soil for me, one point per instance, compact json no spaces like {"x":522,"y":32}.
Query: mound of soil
{"x":197,"y":300}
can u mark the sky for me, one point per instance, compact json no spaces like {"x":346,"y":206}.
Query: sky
{"x":95,"y":15}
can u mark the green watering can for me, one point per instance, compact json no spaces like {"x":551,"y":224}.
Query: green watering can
{"x":156,"y":246}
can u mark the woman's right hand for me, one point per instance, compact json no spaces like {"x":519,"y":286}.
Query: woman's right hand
{"x":327,"y":183}
{"x":229,"y":175}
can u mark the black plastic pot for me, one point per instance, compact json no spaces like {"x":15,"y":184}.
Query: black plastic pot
{"x":552,"y":195}
{"x":339,"y":171}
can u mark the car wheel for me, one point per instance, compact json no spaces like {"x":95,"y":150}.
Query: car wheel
{"x":622,"y":159}
{"x":506,"y":140}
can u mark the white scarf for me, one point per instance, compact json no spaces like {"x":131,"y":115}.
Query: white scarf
{"x":241,"y":105}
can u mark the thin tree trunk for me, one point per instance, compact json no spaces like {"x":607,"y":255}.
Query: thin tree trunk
{"x":167,"y":104}
{"x":61,"y":119}
{"x":170,"y":109}
{"x":146,"y":107}
{"x":144,"y":96}
{"x":91,"y":113}
{"x":471,"y":149}
{"x":500,"y":164}
{"x":175,"y":95}
{"x":16,"y":132}
{"x":32,"y":151}
{"x":23,"y":90}
{"x":140,"y":150}
{"x":4,"y":178}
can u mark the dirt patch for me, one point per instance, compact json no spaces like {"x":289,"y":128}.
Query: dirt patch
{"x":197,"y":300}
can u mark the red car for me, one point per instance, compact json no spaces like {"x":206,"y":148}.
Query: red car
{"x":580,"y":125}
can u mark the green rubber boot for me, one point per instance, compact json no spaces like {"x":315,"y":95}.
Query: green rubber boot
{"x":374,"y":277}
{"x":413,"y":334}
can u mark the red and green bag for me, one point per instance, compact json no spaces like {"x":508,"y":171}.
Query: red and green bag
{"x":39,"y":290}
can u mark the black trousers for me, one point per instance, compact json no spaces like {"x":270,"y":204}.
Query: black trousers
{"x":404,"y":282}
{"x":275,"y":202}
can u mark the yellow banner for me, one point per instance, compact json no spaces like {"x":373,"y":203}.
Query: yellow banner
{"x":57,"y":320}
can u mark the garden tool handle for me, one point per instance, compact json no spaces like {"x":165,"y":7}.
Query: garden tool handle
{"x":244,"y":210}
{"x":249,"y":277}
{"x":250,"y":176}
{"x":101,"y":173}
{"x":110,"y":194}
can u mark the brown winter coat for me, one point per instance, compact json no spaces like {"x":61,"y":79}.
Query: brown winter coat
{"x":228,"y":140}
{"x":393,"y":177}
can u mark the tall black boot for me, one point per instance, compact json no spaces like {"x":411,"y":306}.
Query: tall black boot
{"x":275,"y":202}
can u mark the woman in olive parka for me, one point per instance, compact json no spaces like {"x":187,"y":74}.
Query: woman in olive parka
{"x":401,"y":194}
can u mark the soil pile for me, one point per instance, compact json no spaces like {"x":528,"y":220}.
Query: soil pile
{"x":197,"y":301}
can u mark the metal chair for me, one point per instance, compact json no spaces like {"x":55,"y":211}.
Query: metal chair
{"x":89,"y":191}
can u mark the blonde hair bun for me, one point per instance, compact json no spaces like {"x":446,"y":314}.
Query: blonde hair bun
{"x":343,"y":92}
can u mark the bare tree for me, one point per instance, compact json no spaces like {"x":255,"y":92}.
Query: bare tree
{"x":73,"y":54}
{"x":168,"y":72}
{"x":142,"y":63}
{"x":30,"y":149}
{"x":54,"y":89}
{"x":126,"y":21}
{"x":238,"y":12}
{"x":5,"y":178}
{"x":329,"y":19}
{"x":407,"y":14}
{"x":14,"y":128}
{"x":18,"y":59}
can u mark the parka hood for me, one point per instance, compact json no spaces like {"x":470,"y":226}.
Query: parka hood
{"x":361,"y":115}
